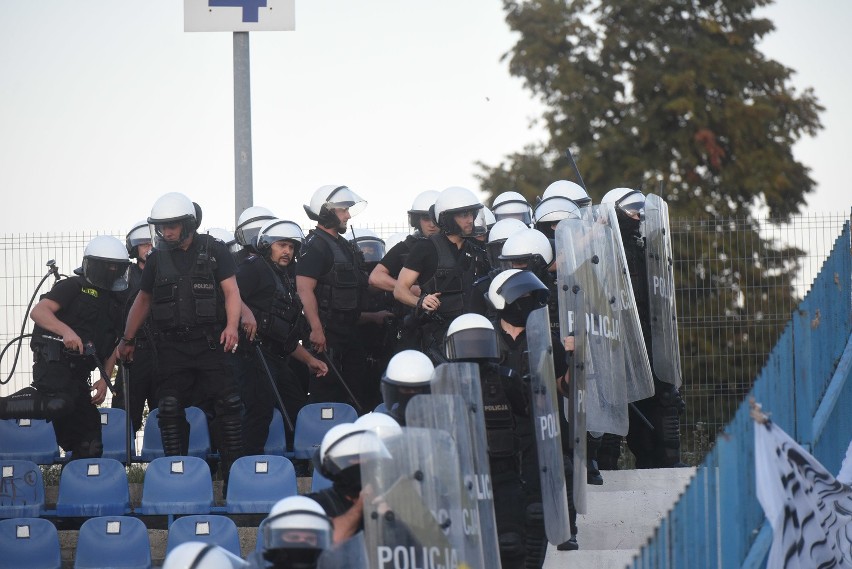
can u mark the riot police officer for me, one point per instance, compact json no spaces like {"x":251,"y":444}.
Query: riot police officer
{"x":295,"y":535}
{"x":445,"y":267}
{"x":248,"y":225}
{"x":189,"y":286}
{"x":512,"y":205}
{"x":76,"y":325}
{"x":658,"y":447}
{"x":332,"y":286}
{"x":409,"y":373}
{"x":571,"y":190}
{"x":267,"y":288}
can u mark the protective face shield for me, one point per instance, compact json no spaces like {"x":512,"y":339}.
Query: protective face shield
{"x":249,"y":224}
{"x":485,"y":220}
{"x":529,"y":247}
{"x":515,"y":294}
{"x":629,"y":206}
{"x":296,"y":532}
{"x":553,"y":210}
{"x":139,"y":235}
{"x":512,"y":205}
{"x":198,"y":555}
{"x":171,"y":212}
{"x":498,"y":235}
{"x":225,"y":237}
{"x":408,"y":374}
{"x":330,"y":197}
{"x":570,"y":190}
{"x":279,"y":230}
{"x":471,"y":337}
{"x":105,"y":263}
{"x":420,"y":208}
{"x":452,"y":201}
{"x":371,"y":245}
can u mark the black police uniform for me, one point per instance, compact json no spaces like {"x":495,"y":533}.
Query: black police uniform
{"x":188,"y":316}
{"x":142,"y":387}
{"x":407,"y":337}
{"x":443,"y":267}
{"x":270,"y":293}
{"x":95,"y":316}
{"x":340,"y":293}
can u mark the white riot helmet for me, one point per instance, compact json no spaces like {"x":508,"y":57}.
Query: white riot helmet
{"x":514,"y":205}
{"x":452,"y":201}
{"x":485,"y":220}
{"x":529,"y":246}
{"x":498,"y":235}
{"x":348,"y":445}
{"x":570,"y":190}
{"x":199,"y":555}
{"x":422,"y":206}
{"x":249,"y":224}
{"x":105,"y":263}
{"x":296,"y":532}
{"x":331,"y":197}
{"x":371,"y":245}
{"x":382,"y":424}
{"x":553,"y":210}
{"x":279,"y":230}
{"x":409,"y":373}
{"x":627,"y":201}
{"x":173,"y":208}
{"x":513,"y":284}
{"x":471,"y":337}
{"x":225,"y":237}
{"x":139,"y":235}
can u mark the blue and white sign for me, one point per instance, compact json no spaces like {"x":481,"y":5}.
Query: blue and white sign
{"x":239,"y":15}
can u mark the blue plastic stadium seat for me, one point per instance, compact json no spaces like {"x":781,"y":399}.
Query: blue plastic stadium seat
{"x":29,"y":543}
{"x":28,"y":439}
{"x":21,"y":489}
{"x":93,"y":487}
{"x":177,"y":485}
{"x":319,"y":482}
{"x":314,"y":420}
{"x":199,"y":435}
{"x":276,"y":441}
{"x":118,"y":542}
{"x":114,"y":433}
{"x":219,"y":530}
{"x":257,"y":482}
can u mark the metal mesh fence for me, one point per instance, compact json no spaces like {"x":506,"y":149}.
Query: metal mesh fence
{"x":738,"y":282}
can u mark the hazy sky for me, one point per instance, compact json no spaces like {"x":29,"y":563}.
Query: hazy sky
{"x":108,"y":104}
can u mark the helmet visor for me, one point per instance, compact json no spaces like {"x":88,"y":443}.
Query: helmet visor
{"x":633,"y":204}
{"x":344,"y":198}
{"x":373,"y":249}
{"x":282,"y":230}
{"x":297,"y":529}
{"x":472,"y":344}
{"x":170,"y":234}
{"x":108,"y":274}
{"x":520,"y":284}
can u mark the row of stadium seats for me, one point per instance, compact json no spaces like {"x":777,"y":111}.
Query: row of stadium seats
{"x":120,"y":542}
{"x":172,"y":486}
{"x":35,"y":440}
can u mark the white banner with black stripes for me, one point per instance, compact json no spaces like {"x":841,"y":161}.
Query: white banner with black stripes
{"x":810,"y":511}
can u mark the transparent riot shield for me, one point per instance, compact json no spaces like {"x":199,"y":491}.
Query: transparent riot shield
{"x":548,"y":439}
{"x":582,"y":268}
{"x":665,"y":347}
{"x":462,"y":379}
{"x":412,"y":503}
{"x":450,"y":413}
{"x":637,"y":369}
{"x":351,"y":554}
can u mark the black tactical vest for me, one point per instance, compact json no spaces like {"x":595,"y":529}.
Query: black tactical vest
{"x":637,"y":265}
{"x":277,"y":314}
{"x":340,"y":292}
{"x":186,"y":301}
{"x":498,"y":412}
{"x":454,"y":276}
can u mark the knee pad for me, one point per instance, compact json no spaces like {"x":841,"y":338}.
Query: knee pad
{"x":229,"y":403}
{"x":29,"y":403}
{"x":512,"y":549}
{"x":92,"y":447}
{"x":536,"y":541}
{"x":174,"y":429}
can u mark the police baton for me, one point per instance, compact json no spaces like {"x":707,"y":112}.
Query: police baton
{"x":125,"y":386}
{"x":574,"y":166}
{"x":645,"y":420}
{"x":265,"y":365}
{"x":331,"y":365}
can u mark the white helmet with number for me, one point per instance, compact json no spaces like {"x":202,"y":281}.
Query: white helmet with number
{"x":331,"y":197}
{"x":279,"y":230}
{"x":498,"y":235}
{"x":371,"y":245}
{"x":199,"y":555}
{"x":422,"y":206}
{"x":514,"y":205}
{"x":452,"y":201}
{"x":296,"y":531}
{"x":139,"y":235}
{"x":471,"y":337}
{"x":529,"y":246}
{"x":105,"y":263}
{"x":225,"y":237}
{"x":570,"y":190}
{"x":627,"y":201}
{"x":249,"y":223}
{"x":512,"y":284}
{"x":409,"y":373}
{"x":171,"y":208}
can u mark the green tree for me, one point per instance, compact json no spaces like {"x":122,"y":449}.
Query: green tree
{"x":675,"y":93}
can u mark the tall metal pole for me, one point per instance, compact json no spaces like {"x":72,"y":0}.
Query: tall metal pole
{"x":242,"y":125}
